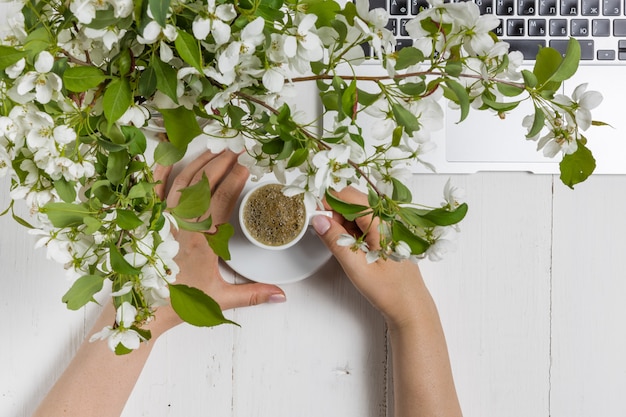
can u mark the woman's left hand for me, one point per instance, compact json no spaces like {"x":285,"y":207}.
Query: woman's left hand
{"x":197,"y":262}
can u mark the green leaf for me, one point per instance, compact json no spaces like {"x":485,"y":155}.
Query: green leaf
{"x":412,"y":89}
{"x":116,"y":166}
{"x":349,"y":100}
{"x":577,"y":167}
{"x":547,"y":62}
{"x":443,"y":217}
{"x":325,"y":10}
{"x":396,"y":135}
{"x":159,"y":9}
{"x":529,"y":78}
{"x":82,"y":78}
{"x":117,"y":99}
{"x":10,"y":56}
{"x":66,"y":214}
{"x":218,"y":241}
{"x":93,"y":225}
{"x":489,"y":101}
{"x":166,"y":79}
{"x":189,"y":49}
{"x":348,"y":210}
{"x":120,"y":350}
{"x":38,"y":40}
{"x":82,"y":291}
{"x":366,"y":99}
{"x":181,"y":125}
{"x":462,"y":97}
{"x":569,"y":64}
{"x":509,"y":90}
{"x":194,"y":200}
{"x":195,"y":307}
{"x":408,"y":56}
{"x":127,"y":220}
{"x":135,"y":139}
{"x":405,"y":118}
{"x":147,"y":82}
{"x":538,"y":123}
{"x":167,"y":154}
{"x":66,"y":190}
{"x":119,"y":264}
{"x":413,"y":217}
{"x":298,"y":158}
{"x":402,"y":233}
{"x":140,"y":190}
{"x":401,"y":193}
{"x":193,"y":226}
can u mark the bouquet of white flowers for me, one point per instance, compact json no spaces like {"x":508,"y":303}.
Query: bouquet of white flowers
{"x":81,"y":79}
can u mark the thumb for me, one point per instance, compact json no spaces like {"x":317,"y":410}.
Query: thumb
{"x":243,"y":295}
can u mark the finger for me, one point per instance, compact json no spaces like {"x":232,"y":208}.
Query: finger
{"x":366,"y":223}
{"x":243,"y":295}
{"x":225,"y":197}
{"x":216,"y":169}
{"x":161,"y":175}
{"x":329,"y":231}
{"x":184,"y":178}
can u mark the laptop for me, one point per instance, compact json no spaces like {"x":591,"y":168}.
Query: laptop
{"x":485,"y":142}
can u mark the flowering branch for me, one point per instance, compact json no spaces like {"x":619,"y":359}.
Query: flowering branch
{"x":81,"y":79}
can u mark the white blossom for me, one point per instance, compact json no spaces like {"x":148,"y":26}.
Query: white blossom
{"x":217,"y":22}
{"x":42,"y":81}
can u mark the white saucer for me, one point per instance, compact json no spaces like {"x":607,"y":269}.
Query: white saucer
{"x":275,"y":266}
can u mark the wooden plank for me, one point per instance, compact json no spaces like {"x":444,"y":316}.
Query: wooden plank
{"x":588,"y":308}
{"x":493,"y":292}
{"x":321,"y":353}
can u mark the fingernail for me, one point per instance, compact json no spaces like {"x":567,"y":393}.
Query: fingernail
{"x":277,"y":298}
{"x":321,"y":224}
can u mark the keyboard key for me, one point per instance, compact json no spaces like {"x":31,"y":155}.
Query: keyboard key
{"x":587,"y":52}
{"x":569,"y":7}
{"x":392,"y":26}
{"x":403,"y":43}
{"x":558,"y":27}
{"x":403,"y":23}
{"x":619,"y":27}
{"x":485,"y":6}
{"x":378,"y":4}
{"x":600,"y":27}
{"x":537,"y":27}
{"x":606,"y":55}
{"x":418,"y":5}
{"x":547,"y":7}
{"x":528,"y":47}
{"x":499,"y":30}
{"x":579,"y":27}
{"x":526,"y":7}
{"x":505,"y":7}
{"x":590,"y":7}
{"x":611,"y":7}
{"x":515,"y":27}
{"x":398,"y":7}
{"x":367,"y":50}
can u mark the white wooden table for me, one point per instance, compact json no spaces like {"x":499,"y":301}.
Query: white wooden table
{"x":532,"y":303}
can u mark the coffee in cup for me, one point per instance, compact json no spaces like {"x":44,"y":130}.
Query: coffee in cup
{"x":272,"y":220}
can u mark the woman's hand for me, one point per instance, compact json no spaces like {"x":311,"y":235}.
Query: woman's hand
{"x":197,"y":262}
{"x":392,"y":287}
{"x":422,"y":378}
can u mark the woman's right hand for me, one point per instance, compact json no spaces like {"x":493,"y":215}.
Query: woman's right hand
{"x":392,"y":287}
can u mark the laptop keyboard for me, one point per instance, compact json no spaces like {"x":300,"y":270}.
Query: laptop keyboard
{"x":598,"y":25}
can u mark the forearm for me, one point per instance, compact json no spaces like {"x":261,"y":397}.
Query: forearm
{"x":97,"y":383}
{"x":422,"y":376}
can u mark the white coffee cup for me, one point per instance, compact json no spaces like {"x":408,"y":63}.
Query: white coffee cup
{"x":293,"y":236}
